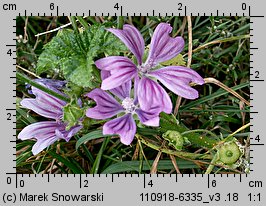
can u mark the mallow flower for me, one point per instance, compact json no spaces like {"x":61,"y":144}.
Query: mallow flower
{"x":107,"y":106}
{"x":162,"y":48}
{"x":46,"y":105}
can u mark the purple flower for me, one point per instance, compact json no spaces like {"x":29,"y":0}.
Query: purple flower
{"x":46,"y":132}
{"x":162,"y":48}
{"x":107,"y":107}
{"x":49,"y":83}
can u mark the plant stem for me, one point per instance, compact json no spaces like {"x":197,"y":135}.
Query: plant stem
{"x":83,"y":22}
{"x":175,"y":26}
{"x":211,"y":166}
{"x":25,"y":79}
{"x":235,"y":132}
{"x":85,"y":149}
{"x":74,"y":24}
{"x":189,"y":25}
{"x":189,"y":59}
{"x":120,"y":22}
{"x":95,"y":167}
{"x":76,"y":31}
{"x":180,"y":154}
{"x":220,"y":84}
{"x":218,"y":41}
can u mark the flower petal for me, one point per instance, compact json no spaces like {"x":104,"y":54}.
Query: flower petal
{"x":38,"y":130}
{"x":41,"y":144}
{"x":46,"y":133}
{"x":118,"y":78}
{"x":73,"y":130}
{"x":51,"y":83}
{"x":106,"y":107}
{"x":149,"y":118}
{"x":42,"y":109}
{"x":45,"y":104}
{"x":114,"y":63}
{"x":132,"y":38}
{"x":177,"y":79}
{"x":47,"y":99}
{"x":121,"y":69}
{"x":124,"y":126}
{"x":163,"y":47}
{"x":43,"y":132}
{"x":152,"y":95}
{"x":62,"y":133}
{"x":123,"y":91}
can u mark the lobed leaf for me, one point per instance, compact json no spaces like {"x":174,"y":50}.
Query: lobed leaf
{"x":72,"y":54}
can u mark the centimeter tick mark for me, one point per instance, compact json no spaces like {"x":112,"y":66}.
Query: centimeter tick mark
{"x":144,"y":180}
{"x":261,"y":144}
{"x":153,"y":13}
{"x":208,"y":180}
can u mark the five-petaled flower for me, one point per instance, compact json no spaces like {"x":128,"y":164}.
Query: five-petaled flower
{"x":107,"y":107}
{"x":46,"y":132}
{"x":162,"y":48}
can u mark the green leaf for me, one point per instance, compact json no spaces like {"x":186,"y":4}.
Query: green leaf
{"x":176,"y":61}
{"x":112,"y":45}
{"x":46,"y":63}
{"x":22,"y":158}
{"x":169,"y":122}
{"x":96,"y":164}
{"x":72,"y":54}
{"x":128,"y":166}
{"x":69,"y":164}
{"x":90,"y":136}
{"x":80,"y":72}
{"x":147,"y":131}
{"x":26,"y":117}
{"x":24,"y":143}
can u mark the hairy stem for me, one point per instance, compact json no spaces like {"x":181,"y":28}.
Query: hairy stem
{"x":25,"y":79}
{"x":211,"y":166}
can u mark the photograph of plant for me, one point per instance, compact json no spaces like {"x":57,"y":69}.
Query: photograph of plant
{"x":132,"y":95}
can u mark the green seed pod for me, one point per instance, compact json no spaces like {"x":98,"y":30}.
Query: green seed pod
{"x":174,"y":138}
{"x":229,"y":153}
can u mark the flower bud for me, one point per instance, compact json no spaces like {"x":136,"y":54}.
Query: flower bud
{"x":72,"y":115}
